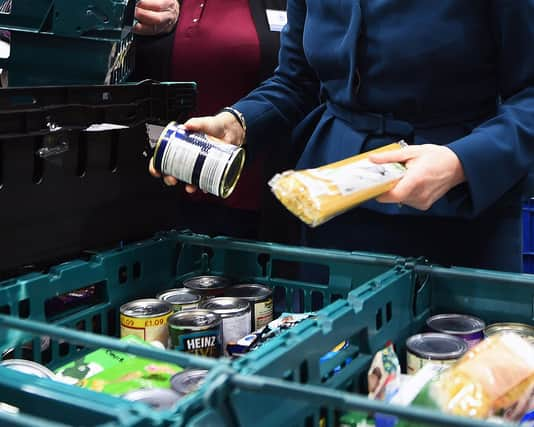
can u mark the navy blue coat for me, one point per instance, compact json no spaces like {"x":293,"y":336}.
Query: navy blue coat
{"x":357,"y":74}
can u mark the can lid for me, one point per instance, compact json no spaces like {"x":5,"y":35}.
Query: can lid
{"x":226,"y":306}
{"x":178,"y":296}
{"x":28,"y":367}
{"x":157,"y":398}
{"x":188,"y":381}
{"x":202,"y":283}
{"x":194,"y":319}
{"x":249,"y":291}
{"x":148,"y":307}
{"x":232,"y":173}
{"x":455,"y":324}
{"x":436,"y":346}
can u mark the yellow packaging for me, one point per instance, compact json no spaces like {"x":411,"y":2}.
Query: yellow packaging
{"x":319,"y":194}
{"x":488,"y":379}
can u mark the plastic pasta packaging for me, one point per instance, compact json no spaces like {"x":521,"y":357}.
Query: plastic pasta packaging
{"x":319,"y":194}
{"x":493,"y":378}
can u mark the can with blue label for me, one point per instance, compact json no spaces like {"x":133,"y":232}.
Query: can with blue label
{"x":196,"y":331}
{"x":193,"y":158}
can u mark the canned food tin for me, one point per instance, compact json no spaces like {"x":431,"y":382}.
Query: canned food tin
{"x":180,"y":299}
{"x":193,"y":158}
{"x":521,"y":329}
{"x":28,"y":367}
{"x":235,"y":314}
{"x":469,"y":328}
{"x":435,"y":348}
{"x":207,"y":286}
{"x":147,"y":319}
{"x":260,"y":298}
{"x":157,"y":398}
{"x":196,"y":331}
{"x":188,"y":381}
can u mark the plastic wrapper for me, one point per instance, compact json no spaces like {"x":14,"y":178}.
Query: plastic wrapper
{"x":384,"y":374}
{"x":496,"y":377}
{"x":319,"y":194}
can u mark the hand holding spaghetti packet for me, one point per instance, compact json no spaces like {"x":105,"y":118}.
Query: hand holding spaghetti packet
{"x":204,"y":153}
{"x":317,"y":195}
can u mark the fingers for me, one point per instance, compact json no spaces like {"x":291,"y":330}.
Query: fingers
{"x":208,"y":125}
{"x":402,"y":155}
{"x":170,"y":180}
{"x":155,"y":16}
{"x":157,"y":5}
{"x":190,"y":188}
{"x":153,"y":170}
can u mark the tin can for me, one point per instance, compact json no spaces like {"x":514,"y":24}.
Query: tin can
{"x":235,"y":314}
{"x":193,"y":158}
{"x":207,"y":286}
{"x":180,"y":299}
{"x":157,"y":398}
{"x":147,"y":319}
{"x":521,"y":329}
{"x":196,"y":331}
{"x":28,"y":367}
{"x":188,"y":381}
{"x":434,"y":348}
{"x":469,"y":328}
{"x":260,"y":298}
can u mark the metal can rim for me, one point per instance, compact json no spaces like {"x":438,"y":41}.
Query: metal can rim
{"x":124,"y":307}
{"x":237,"y":156}
{"x":461,"y":346}
{"x":155,"y":162}
{"x":32,"y":368}
{"x":173,"y":319}
{"x":224,"y":282}
{"x":175,"y":291}
{"x":242,"y":308}
{"x":255,"y":298}
{"x":199,"y":374}
{"x":479,"y":324}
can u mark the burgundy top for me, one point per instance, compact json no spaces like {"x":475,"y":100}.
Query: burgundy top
{"x":216,"y":45}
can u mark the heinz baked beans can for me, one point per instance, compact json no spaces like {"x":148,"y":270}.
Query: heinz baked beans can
{"x":193,"y":158}
{"x":147,"y":319}
{"x":196,"y":331}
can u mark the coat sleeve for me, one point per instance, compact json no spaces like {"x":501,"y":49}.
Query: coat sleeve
{"x":499,"y":153}
{"x":273,"y":109}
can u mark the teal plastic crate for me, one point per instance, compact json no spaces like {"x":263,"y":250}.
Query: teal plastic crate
{"x":285,"y":383}
{"x":91,"y":43}
{"x":142,"y":270}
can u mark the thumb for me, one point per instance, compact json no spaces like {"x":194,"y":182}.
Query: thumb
{"x":401,"y":155}
{"x":208,"y":125}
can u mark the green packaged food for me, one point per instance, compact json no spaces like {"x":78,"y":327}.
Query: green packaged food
{"x":95,"y":362}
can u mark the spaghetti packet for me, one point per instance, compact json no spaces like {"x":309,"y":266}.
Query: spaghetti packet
{"x":319,"y":194}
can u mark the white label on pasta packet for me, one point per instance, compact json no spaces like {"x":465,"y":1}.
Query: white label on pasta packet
{"x":277,"y":19}
{"x":360,"y":175}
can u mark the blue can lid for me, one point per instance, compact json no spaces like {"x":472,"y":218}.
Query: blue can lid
{"x":436,"y":346}
{"x":455,"y":324}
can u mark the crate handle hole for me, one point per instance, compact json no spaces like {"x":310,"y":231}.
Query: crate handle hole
{"x":123,"y":274}
{"x":379,"y":319}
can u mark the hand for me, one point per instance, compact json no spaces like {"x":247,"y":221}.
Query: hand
{"x":432,"y":170}
{"x":223,"y":127}
{"x":156,"y":16}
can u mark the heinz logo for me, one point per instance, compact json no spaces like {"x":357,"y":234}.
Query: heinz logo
{"x":192,"y":344}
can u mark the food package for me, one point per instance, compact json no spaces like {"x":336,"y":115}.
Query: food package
{"x":319,"y":194}
{"x":383,"y":377}
{"x":114,"y":372}
{"x":490,"y":379}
